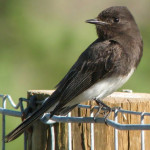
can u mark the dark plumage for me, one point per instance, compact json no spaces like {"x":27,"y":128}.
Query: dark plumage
{"x":100,"y":70}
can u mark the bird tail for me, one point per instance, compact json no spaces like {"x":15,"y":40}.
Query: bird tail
{"x":49,"y":104}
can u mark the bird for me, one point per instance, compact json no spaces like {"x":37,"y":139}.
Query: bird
{"x":100,"y":70}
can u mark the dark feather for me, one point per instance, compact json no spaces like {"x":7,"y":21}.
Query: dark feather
{"x":97,"y":62}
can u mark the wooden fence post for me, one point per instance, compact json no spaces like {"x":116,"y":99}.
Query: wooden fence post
{"x":39,"y":138}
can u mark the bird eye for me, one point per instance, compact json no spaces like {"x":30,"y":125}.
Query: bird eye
{"x":116,"y":19}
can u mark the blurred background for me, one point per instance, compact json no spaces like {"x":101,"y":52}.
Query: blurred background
{"x":40,"y":41}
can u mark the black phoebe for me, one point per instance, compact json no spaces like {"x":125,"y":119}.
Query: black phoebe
{"x":100,"y":70}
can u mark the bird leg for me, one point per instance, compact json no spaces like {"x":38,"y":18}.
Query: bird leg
{"x":106,"y":108}
{"x":99,"y":110}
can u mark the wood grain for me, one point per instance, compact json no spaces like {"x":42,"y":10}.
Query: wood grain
{"x":104,"y":134}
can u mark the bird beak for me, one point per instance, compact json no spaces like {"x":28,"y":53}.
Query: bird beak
{"x":96,"y":22}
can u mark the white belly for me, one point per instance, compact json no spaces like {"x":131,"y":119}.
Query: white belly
{"x":101,"y":89}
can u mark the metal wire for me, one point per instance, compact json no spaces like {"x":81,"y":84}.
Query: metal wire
{"x":52,"y":137}
{"x":116,"y":130}
{"x":3,"y":123}
{"x":92,"y":133}
{"x":142,"y":133}
{"x":45,"y":119}
{"x":8,"y":112}
{"x":69,"y":134}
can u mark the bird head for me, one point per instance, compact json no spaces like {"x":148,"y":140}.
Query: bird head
{"x":114,"y":21}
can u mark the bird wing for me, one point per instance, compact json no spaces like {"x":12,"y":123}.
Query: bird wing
{"x":96,"y":63}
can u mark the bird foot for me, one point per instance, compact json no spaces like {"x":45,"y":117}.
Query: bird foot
{"x":31,"y":106}
{"x":107,"y":110}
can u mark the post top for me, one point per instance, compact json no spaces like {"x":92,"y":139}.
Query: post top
{"x":116,"y":96}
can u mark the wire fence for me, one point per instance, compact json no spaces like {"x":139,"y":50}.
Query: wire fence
{"x":69,"y":119}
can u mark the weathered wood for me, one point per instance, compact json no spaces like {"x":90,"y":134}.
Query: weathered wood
{"x":104,"y":135}
{"x":38,"y":135}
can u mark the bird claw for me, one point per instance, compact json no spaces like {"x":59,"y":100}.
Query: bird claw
{"x":107,"y":110}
